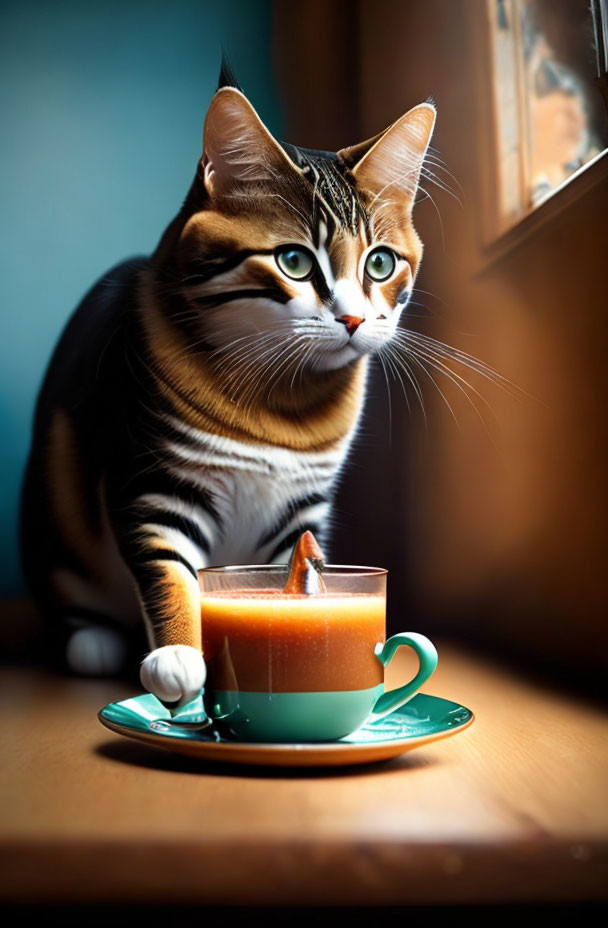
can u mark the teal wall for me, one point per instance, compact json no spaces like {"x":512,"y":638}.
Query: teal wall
{"x":102,"y":114}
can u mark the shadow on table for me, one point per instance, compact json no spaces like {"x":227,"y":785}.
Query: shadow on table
{"x":140,"y":755}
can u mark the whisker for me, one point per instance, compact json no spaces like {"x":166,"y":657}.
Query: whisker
{"x":428,"y":196}
{"x":411,"y":378}
{"x":389,"y":401}
{"x":397,"y":375}
{"x":418,"y":362}
{"x":433,"y":179}
{"x":407,"y":336}
{"x":457,"y":380}
{"x":439,"y":163}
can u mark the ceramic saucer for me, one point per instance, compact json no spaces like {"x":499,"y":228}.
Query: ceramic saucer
{"x":421,"y":720}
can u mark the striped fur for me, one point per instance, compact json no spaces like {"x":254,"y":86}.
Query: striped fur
{"x":200,"y":404}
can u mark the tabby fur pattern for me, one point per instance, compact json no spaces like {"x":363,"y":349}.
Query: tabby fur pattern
{"x":201,"y":402}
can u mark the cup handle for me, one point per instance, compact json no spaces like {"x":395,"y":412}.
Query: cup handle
{"x":428,"y":657}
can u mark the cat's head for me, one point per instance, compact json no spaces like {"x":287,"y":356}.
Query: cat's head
{"x":304,"y":258}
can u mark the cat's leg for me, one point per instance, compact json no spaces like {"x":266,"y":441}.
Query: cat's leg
{"x":165,"y":576}
{"x":93,"y":648}
{"x":82,"y":633}
{"x":94,"y":622}
{"x":174,"y":670}
{"x":72,"y":566}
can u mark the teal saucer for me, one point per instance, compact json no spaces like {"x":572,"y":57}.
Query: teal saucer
{"x":188,"y":731}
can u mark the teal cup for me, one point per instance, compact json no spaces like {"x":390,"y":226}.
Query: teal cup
{"x":300,"y":668}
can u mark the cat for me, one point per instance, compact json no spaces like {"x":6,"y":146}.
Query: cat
{"x":200,"y":404}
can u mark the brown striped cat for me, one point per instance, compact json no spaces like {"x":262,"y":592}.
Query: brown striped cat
{"x":201,"y":402}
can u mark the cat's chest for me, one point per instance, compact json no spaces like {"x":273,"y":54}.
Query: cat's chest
{"x":257,"y":491}
{"x":250,"y":505}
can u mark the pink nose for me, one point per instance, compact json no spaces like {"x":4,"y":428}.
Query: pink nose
{"x":352,"y":323}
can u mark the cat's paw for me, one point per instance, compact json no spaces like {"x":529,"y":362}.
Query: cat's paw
{"x":95,"y":651}
{"x":174,"y":674}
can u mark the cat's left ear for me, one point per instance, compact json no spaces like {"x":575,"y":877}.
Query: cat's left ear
{"x":238,"y":149}
{"x":389,"y":165}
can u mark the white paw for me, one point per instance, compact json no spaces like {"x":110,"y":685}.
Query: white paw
{"x":95,"y":651}
{"x":175,"y":673}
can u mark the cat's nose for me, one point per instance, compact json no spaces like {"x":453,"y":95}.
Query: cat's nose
{"x":352,"y":323}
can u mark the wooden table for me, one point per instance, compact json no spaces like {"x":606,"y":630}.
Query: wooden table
{"x":514,"y":809}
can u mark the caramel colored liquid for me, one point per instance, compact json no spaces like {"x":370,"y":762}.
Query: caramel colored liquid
{"x":267,"y":641}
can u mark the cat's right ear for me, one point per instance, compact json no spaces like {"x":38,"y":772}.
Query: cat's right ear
{"x":238,"y":149}
{"x":389,"y":165}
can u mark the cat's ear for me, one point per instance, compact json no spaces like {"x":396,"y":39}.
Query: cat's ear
{"x":238,"y":149}
{"x":389,"y":165}
{"x":352,"y":155}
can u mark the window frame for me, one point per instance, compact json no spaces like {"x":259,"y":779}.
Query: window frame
{"x":499,"y":233}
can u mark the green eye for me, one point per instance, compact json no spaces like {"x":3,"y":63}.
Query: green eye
{"x":295,"y":263}
{"x":380,"y":264}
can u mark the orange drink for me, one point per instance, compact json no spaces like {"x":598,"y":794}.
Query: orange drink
{"x":268,"y":641}
{"x":299,"y":667}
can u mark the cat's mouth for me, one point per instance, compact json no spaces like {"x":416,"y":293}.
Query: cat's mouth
{"x":340,"y":355}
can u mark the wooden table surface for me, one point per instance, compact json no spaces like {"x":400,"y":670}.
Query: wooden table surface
{"x":514,"y":809}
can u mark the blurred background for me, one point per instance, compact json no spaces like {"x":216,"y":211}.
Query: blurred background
{"x":488,"y":505}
